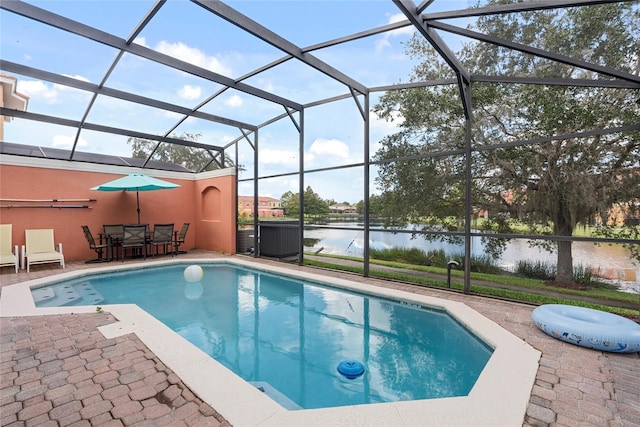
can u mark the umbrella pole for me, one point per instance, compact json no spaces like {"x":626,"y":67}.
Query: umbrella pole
{"x":138,"y":205}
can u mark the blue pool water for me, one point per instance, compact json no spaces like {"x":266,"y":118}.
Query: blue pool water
{"x":287,"y":337}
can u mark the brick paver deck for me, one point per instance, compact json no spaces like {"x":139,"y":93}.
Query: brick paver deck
{"x":59,"y":370}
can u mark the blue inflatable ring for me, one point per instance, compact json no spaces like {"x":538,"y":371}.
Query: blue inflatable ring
{"x":588,"y":328}
{"x":351,"y":368}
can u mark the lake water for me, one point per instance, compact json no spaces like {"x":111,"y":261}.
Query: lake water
{"x":612,"y":262}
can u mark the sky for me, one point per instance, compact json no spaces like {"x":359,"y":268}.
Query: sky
{"x":333,"y":133}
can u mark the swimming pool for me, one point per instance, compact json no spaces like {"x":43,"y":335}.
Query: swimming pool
{"x":499,"y":396}
{"x":287,"y":336}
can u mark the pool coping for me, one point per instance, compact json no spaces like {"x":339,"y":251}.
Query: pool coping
{"x":499,"y":397}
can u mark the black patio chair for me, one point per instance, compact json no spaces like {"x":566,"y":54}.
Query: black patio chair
{"x":179,"y":239}
{"x":162,"y":236}
{"x":98,"y":247}
{"x":134,"y":237}
{"x":113,"y":234}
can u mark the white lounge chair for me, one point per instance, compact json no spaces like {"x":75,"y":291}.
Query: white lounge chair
{"x":40,"y":248}
{"x":7,"y":256}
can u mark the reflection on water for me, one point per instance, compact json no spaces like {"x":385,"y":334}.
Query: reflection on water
{"x":585,"y":253}
{"x":287,"y":337}
{"x":612,"y":262}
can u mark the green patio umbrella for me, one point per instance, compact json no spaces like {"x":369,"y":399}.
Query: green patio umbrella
{"x":136,"y":182}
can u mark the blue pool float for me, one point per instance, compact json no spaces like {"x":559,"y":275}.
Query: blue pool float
{"x":351,"y":368}
{"x":588,"y":328}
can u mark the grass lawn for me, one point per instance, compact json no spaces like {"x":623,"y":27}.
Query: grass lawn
{"x":500,"y":286}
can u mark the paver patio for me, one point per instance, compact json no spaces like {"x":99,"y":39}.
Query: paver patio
{"x":59,"y":370}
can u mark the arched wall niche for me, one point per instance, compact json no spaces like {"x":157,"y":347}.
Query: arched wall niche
{"x":211,"y":204}
{"x":215,"y":211}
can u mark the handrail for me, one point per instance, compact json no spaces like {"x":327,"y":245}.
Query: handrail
{"x":47,"y":200}
{"x":47,"y":206}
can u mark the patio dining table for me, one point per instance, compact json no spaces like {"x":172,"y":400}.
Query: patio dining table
{"x":113,"y":236}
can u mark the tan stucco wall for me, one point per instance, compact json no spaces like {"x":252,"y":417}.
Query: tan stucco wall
{"x":215,"y":209}
{"x":184,"y":204}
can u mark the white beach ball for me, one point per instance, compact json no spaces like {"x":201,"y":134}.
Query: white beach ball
{"x":193,"y":273}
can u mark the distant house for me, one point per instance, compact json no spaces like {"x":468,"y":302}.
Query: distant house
{"x":267,"y":206}
{"x":10,"y":98}
{"x":342,"y":209}
{"x":626,"y":212}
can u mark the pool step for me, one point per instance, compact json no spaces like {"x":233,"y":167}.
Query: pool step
{"x":274,"y":394}
{"x":65,"y":294}
{"x":42,"y":294}
{"x":89,"y":293}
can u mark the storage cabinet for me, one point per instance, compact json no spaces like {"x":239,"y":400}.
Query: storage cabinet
{"x":279,"y":239}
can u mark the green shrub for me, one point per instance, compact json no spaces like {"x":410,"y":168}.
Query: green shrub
{"x":536,"y":270}
{"x":435,"y":258}
{"x":584,"y":276}
{"x":546,"y":271}
{"x":413,"y":256}
{"x":479,"y":263}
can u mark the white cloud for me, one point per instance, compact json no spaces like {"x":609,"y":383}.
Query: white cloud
{"x":398,"y":17}
{"x":309,"y":158}
{"x":193,"y":56}
{"x":226,"y":139}
{"x":266,"y":84}
{"x":190,"y":92}
{"x":142,"y":41}
{"x":380,"y":128}
{"x":386,"y":126}
{"x":172,"y":115}
{"x":282,"y":157}
{"x":293,"y":185}
{"x":233,"y":101}
{"x":329,"y":148}
{"x":78,"y":77}
{"x":383,"y":42}
{"x":69,"y":89}
{"x":37,"y":89}
{"x":66,"y":141}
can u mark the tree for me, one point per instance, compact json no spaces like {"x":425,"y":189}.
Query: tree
{"x":313,"y":203}
{"x":376,"y":205}
{"x":552,"y":186}
{"x":290,"y":203}
{"x":195,"y":159}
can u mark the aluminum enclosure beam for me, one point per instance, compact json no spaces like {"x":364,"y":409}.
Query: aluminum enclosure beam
{"x":464,"y":78}
{"x":101,"y":128}
{"x":618,"y":84}
{"x":236,"y":18}
{"x":515,"y":8}
{"x":74,"y":27}
{"x":409,"y":10}
{"x":429,"y":25}
{"x":116,"y":93}
{"x":356,"y":36}
{"x":147,"y":18}
{"x":536,"y":52}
